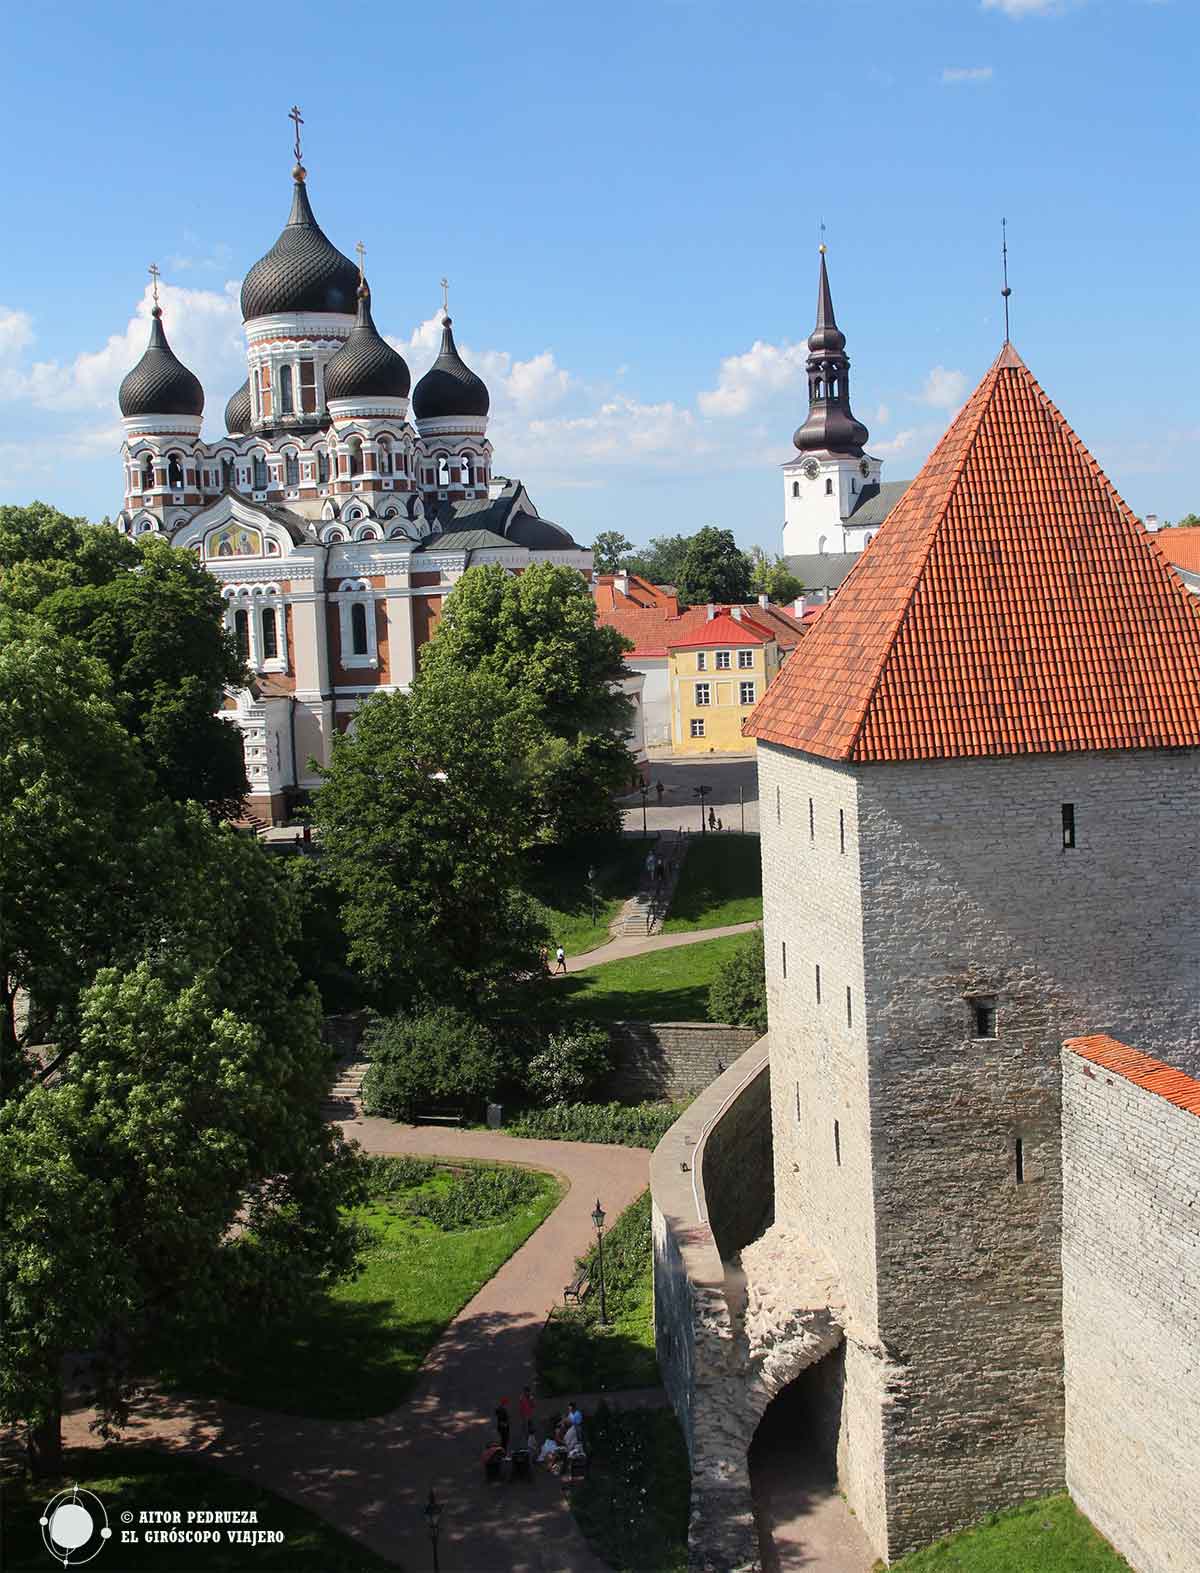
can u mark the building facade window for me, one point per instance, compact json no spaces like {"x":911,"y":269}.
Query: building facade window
{"x":264,"y":399}
{"x":270,"y":635}
{"x":287,"y":405}
{"x":983,"y":1016}
{"x":724,"y":660}
{"x":308,"y":386}
{"x":828,"y":487}
{"x":241,"y":633}
{"x":746,"y":693}
{"x":291,"y":469}
{"x":702,"y":660}
{"x":817,"y":974}
{"x":697,"y":726}
{"x":322,"y":465}
{"x":356,"y":608}
{"x":358,"y":629}
{"x":841,"y":830}
{"x":746,"y":660}
{"x":174,"y":472}
{"x":812,"y":820}
{"x":703,"y":694}
{"x":260,"y":473}
{"x":1068,"y":826}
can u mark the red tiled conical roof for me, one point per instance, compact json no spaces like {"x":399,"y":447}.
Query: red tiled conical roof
{"x":1010,"y":604}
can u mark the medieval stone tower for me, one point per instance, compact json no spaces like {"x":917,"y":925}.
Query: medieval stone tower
{"x":979,"y":792}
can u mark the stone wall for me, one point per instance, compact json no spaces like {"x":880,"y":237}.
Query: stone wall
{"x":656,"y":1061}
{"x":736,"y":1168}
{"x":1131,"y":1313}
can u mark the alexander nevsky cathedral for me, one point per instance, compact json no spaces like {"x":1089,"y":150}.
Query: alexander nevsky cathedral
{"x":334,"y":522}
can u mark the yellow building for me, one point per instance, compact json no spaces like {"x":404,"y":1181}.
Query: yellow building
{"x":718,"y":671}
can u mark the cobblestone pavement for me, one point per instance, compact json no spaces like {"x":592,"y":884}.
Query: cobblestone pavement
{"x":371,"y":1478}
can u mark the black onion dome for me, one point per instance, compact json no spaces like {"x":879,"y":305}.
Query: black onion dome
{"x":160,"y":384}
{"x":237,"y":411}
{"x":366,"y":366}
{"x":449,"y":387}
{"x":303,"y":271}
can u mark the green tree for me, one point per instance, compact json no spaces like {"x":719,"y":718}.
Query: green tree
{"x":153,"y":616}
{"x":738,"y":993}
{"x":714,"y":569}
{"x":608,"y":551}
{"x":1188,"y":522}
{"x":662,"y":561}
{"x":771,"y":576}
{"x":425,"y":815}
{"x":537,"y":633}
{"x":441,"y":1055}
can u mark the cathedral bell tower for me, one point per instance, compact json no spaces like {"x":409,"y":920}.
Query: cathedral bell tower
{"x":823,"y":483}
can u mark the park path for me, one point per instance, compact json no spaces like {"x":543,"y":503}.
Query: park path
{"x":371,"y":1478}
{"x":631,"y":945}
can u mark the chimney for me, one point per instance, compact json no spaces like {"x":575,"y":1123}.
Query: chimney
{"x":736,"y":613}
{"x":764,"y":601}
{"x":798,"y":606}
{"x":1152,"y":521}
{"x":712,"y":611}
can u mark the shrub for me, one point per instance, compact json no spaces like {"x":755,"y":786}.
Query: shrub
{"x":478,"y":1197}
{"x":738,"y":993}
{"x":622,"y":1125}
{"x":569,"y":1067}
{"x":387,"y":1176}
{"x":438,"y":1056}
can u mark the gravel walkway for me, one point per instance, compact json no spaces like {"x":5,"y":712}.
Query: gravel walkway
{"x":371,"y":1478}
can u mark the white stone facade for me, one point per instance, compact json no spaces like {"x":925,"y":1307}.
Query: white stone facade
{"x":819,"y":493}
{"x":921,"y":892}
{"x":1131,"y":1314}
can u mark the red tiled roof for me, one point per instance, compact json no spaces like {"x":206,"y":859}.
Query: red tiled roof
{"x":787,"y":628}
{"x":721,"y":629}
{"x":1183,"y":1091}
{"x":645,"y":626}
{"x":1181,"y":547}
{"x":652,"y":629}
{"x":1010,"y":603}
{"x":638,"y":592}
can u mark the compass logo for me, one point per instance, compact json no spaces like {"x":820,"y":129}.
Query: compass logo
{"x":74,"y":1526}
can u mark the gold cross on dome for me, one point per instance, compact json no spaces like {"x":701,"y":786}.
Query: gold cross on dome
{"x":297,"y":120}
{"x":154,"y":275}
{"x":362,"y":252}
{"x":445,"y":283}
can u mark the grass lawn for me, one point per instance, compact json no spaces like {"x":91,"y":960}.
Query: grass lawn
{"x":633,"y":1507}
{"x":720,"y":883}
{"x":130,"y":1479}
{"x":558,"y":879}
{"x":355,"y":1350}
{"x":1050,"y":1536}
{"x":662,"y":985}
{"x":575,"y":1354}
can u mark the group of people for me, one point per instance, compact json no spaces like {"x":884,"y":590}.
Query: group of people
{"x":563,"y":1441}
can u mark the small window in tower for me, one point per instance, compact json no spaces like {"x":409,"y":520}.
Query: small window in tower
{"x":308,"y":386}
{"x":795,"y":488}
{"x":783,"y":956}
{"x":983,"y":1016}
{"x":286,"y":403}
{"x":812,"y":821}
{"x":358,"y":629}
{"x":841,"y":829}
{"x":443,"y":470}
{"x":174,"y":472}
{"x":797,"y":1103}
{"x":829,"y":486}
{"x":837,"y":1143}
{"x":818,"y":977}
{"x":270,"y":633}
{"x":356,"y":460}
{"x":849,"y":1009}
{"x":291,"y":466}
{"x":265,"y":397}
{"x":464,"y":471}
{"x":260,"y":472}
{"x":1068,"y":826}
{"x":241,"y":633}
{"x":385,"y":459}
{"x":228,"y":475}
{"x":148,"y":475}
{"x":778,"y":807}
{"x":322,"y":465}
{"x":1018,"y":1160}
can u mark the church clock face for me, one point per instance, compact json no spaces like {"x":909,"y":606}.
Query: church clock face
{"x":811,"y":469}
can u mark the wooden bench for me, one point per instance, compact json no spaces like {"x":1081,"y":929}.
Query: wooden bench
{"x":579,"y":1287}
{"x":439,"y":1117}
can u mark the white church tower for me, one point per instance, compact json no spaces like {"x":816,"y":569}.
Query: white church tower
{"x":825,"y":483}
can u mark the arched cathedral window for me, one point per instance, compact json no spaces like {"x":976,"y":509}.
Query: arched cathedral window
{"x":443,"y":470}
{"x":241,"y":633}
{"x":227,"y":474}
{"x":291,"y":466}
{"x":464,"y":470}
{"x":260,"y":472}
{"x":385,"y":459}
{"x":174,"y":471}
{"x":286,"y":402}
{"x":358,"y":629}
{"x":147,"y":472}
{"x":322,"y":465}
{"x":270,"y":634}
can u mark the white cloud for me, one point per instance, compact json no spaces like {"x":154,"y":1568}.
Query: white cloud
{"x":954,"y":75}
{"x":16,"y":332}
{"x":744,"y":379}
{"x":882,"y":415}
{"x":1021,"y":8}
{"x":943,"y":388}
{"x":900,"y":443}
{"x":217,"y":260}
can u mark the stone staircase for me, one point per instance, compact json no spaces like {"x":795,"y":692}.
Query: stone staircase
{"x":343,"y":1101}
{"x":644,"y":912}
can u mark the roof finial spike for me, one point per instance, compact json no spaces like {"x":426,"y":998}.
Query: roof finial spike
{"x":1005,"y":292}
{"x":445,"y":297}
{"x":297,"y":120}
{"x":154,"y":272}
{"x":362,"y":252}
{"x":821,"y":236}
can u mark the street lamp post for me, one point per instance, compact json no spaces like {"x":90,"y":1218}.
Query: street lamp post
{"x":701,"y":793}
{"x":598,"y":1222}
{"x":645,"y":793}
{"x":592,"y":891}
{"x":433,"y":1520}
{"x":742,"y":807}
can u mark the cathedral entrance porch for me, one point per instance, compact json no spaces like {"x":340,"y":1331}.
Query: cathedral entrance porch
{"x":802,"y":1518}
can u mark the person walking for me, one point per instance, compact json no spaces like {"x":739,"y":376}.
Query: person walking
{"x":502,"y":1423}
{"x":660,"y":789}
{"x":560,"y":959}
{"x":525,"y":1407}
{"x":712,"y":819}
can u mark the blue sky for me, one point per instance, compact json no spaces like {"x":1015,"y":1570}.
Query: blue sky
{"x":626,"y":201}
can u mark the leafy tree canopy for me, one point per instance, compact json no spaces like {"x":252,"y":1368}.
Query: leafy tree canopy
{"x":772,"y":577}
{"x":714,"y":569}
{"x":152,"y":616}
{"x":609,"y":551}
{"x":662,"y":561}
